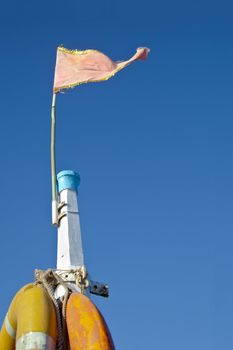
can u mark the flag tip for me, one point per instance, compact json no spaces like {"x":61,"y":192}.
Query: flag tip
{"x":144,"y":52}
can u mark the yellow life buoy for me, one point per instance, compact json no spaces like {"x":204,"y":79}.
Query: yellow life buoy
{"x":30,"y":322}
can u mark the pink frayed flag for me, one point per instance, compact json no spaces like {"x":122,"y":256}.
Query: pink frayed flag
{"x":75,"y":67}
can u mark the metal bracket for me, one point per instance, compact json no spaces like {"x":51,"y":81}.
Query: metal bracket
{"x":99,"y":289}
{"x":61,"y":205}
{"x":71,"y":276}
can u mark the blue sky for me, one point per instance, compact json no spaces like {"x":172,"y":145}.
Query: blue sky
{"x":154,"y":149}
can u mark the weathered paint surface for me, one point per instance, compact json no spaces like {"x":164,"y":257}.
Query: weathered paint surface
{"x":87,"y":329}
{"x":30,"y":322}
{"x":69,"y":241}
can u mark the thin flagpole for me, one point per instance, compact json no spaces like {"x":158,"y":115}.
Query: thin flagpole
{"x":53,"y":162}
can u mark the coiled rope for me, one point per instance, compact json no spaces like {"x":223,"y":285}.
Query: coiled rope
{"x":50,"y":280}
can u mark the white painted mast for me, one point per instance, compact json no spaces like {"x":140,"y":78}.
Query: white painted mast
{"x":69,"y":243}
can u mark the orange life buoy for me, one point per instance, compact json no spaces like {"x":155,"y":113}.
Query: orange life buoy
{"x":86,"y":326}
